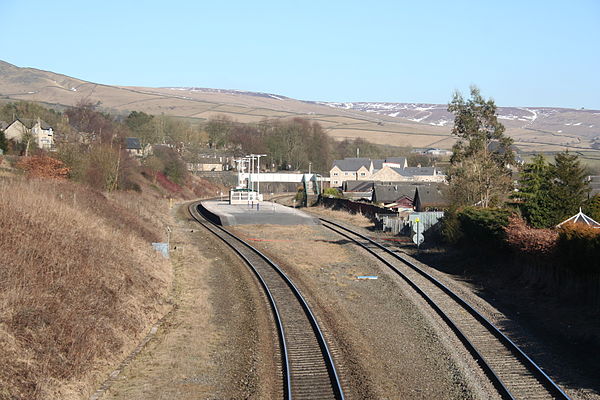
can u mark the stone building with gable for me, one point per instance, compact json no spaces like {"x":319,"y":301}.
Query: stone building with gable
{"x":40,"y":131}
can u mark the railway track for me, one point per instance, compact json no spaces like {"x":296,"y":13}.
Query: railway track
{"x":511,"y":371}
{"x":308,"y":370}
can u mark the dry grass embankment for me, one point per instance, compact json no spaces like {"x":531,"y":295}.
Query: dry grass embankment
{"x":79,"y":285}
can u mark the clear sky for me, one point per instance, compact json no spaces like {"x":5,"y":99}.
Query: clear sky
{"x":521,"y":53}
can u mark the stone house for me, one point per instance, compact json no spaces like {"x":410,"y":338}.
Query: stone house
{"x":206,"y":164}
{"x":355,"y":169}
{"x":408,"y":174}
{"x":133,"y":146}
{"x":40,"y":131}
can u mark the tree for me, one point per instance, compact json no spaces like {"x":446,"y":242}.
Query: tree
{"x":478,"y":180}
{"x":155,"y":165}
{"x":86,"y":119}
{"x":569,"y":188}
{"x":142,"y":126}
{"x":218,"y":129}
{"x":3,"y":142}
{"x":592,"y":207}
{"x":550,"y":193}
{"x":174,"y":168}
{"x":534,"y":193}
{"x":479,"y":172}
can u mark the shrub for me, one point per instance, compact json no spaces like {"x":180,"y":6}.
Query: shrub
{"x":173,"y":167}
{"x":529,"y":240}
{"x":579,"y":248}
{"x":300,"y":195}
{"x":332,"y":192}
{"x":483,"y":225}
{"x":43,"y":167}
{"x":475,"y":226}
{"x":450,"y":227}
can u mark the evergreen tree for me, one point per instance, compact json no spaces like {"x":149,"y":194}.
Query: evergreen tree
{"x":592,"y":207}
{"x":479,"y":173}
{"x":550,"y":193}
{"x":569,"y":188}
{"x":534,"y":193}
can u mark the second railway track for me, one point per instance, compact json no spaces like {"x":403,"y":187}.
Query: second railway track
{"x":513,"y":373}
{"x":308,"y":370}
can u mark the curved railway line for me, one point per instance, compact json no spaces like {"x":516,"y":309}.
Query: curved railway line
{"x":515,"y":375}
{"x":307,"y":367}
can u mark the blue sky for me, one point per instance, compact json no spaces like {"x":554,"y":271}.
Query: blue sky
{"x":521,"y":53}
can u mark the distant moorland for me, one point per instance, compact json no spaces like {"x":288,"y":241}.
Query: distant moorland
{"x":534,"y":129}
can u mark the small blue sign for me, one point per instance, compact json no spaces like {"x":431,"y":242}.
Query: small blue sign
{"x":163,"y":248}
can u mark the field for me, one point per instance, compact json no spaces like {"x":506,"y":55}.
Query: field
{"x":198,"y":105}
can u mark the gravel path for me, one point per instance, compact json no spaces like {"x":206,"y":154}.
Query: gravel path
{"x":386,"y":344}
{"x":217,"y":344}
{"x":554,"y":333}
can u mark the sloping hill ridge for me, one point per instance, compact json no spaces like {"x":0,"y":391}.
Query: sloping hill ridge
{"x":399,"y":124}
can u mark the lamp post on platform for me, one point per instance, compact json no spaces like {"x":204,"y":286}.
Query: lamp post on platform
{"x":257,"y":158}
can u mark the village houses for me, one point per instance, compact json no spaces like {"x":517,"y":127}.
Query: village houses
{"x":392,"y":169}
{"x":40,"y":131}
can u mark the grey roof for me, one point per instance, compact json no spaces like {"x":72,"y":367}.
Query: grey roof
{"x":420,"y":170}
{"x":378,"y":164}
{"x":390,"y":193}
{"x":430,"y":196}
{"x":412,"y":171}
{"x":352,"y":164}
{"x":357,"y":186}
{"x":397,"y":160}
{"x":132,"y":143}
{"x":30,"y":122}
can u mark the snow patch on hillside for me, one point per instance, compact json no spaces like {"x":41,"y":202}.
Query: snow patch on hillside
{"x":441,"y":122}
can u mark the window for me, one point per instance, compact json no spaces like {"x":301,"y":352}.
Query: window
{"x":345,"y":173}
{"x":335,"y":174}
{"x":362,"y":174}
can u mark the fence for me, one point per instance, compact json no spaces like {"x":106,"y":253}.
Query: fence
{"x":402,"y":225}
{"x":368,"y":210}
{"x":243,"y":197}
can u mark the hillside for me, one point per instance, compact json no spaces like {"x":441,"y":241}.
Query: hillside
{"x":98,"y":284}
{"x":399,"y":124}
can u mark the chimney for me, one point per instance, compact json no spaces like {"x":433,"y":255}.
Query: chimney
{"x":357,"y":152}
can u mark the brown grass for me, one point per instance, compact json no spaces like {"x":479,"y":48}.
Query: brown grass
{"x":354,"y":219}
{"x":79,"y":285}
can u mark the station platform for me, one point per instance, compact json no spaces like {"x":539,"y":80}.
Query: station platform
{"x":223,"y":213}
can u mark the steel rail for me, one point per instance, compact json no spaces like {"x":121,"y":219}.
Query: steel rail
{"x":543,"y":378}
{"x":227,"y":237}
{"x":281,"y":334}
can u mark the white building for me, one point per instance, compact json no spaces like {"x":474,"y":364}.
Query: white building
{"x":40,"y":131}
